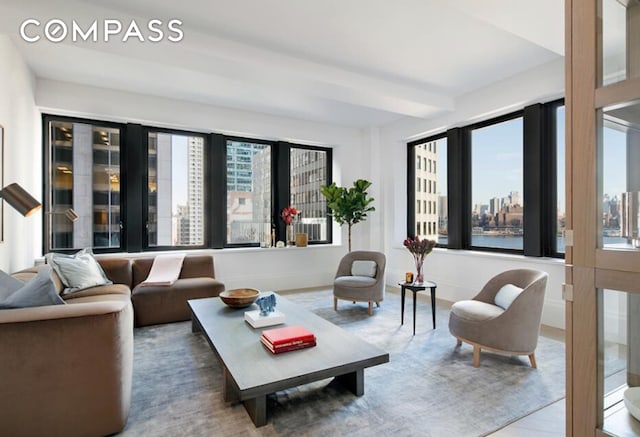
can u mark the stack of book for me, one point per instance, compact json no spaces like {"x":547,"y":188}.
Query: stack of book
{"x":286,"y":339}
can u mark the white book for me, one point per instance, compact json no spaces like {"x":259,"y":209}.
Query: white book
{"x":257,"y":321}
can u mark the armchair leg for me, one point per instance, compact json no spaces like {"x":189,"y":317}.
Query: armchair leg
{"x":378,"y":304}
{"x":335,"y":303}
{"x":371,"y":308}
{"x":458,"y":342}
{"x":476,"y":355}
{"x":532,"y":358}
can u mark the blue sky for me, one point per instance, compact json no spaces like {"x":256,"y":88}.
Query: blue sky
{"x":496,"y":161}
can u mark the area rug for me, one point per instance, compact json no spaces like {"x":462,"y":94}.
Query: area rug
{"x":429,"y":387}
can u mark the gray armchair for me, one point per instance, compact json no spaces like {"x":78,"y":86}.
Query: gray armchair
{"x":360,"y":278}
{"x":501,"y":318}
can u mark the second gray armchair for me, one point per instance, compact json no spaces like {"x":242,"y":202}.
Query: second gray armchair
{"x":360,"y":278}
{"x":504,"y":317}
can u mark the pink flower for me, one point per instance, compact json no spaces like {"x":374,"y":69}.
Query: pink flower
{"x":419,"y":247}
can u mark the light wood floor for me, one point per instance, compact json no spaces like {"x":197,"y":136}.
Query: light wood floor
{"x":546,"y":422}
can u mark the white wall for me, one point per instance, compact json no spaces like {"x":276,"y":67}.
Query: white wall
{"x":461,"y":274}
{"x":22,"y":154}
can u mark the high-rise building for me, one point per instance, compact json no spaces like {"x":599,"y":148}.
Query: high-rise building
{"x":85,"y":172}
{"x":181,"y":229}
{"x":308,"y":170}
{"x":426,"y":191}
{"x":195,"y":189}
{"x":514,"y":198}
{"x":443,"y":212}
{"x":494,"y":205}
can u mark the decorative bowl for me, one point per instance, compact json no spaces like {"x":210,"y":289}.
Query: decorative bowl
{"x":632,"y":401}
{"x":239,"y":297}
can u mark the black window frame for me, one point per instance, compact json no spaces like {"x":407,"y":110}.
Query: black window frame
{"x":47,"y":172}
{"x":134,"y":170}
{"x":274,"y":186}
{"x":328,"y":180}
{"x":412,"y":183}
{"x":539,"y":181}
{"x":484,"y":124}
{"x":144,"y":204}
{"x":552,"y":108}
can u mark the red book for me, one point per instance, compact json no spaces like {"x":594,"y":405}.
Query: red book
{"x":288,"y":334}
{"x":291,"y":347}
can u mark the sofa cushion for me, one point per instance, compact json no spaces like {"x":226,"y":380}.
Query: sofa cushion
{"x":364,"y":268}
{"x":99,"y":291}
{"x":161,"y":304}
{"x":354,"y":281}
{"x":77,"y":271}
{"x":8,"y":285}
{"x":506,"y":295}
{"x":476,"y":310}
{"x":117,"y":269}
{"x":96,"y":298}
{"x":39,"y":291}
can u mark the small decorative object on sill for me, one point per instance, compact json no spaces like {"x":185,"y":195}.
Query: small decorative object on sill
{"x":419,"y":249}
{"x":291,"y":240}
{"x":408,"y":277}
{"x":288,"y":215}
{"x":301,"y":239}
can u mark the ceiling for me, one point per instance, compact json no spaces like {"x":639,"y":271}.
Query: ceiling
{"x":355,"y":63}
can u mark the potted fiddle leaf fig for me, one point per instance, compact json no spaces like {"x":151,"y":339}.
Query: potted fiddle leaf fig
{"x":348,"y":206}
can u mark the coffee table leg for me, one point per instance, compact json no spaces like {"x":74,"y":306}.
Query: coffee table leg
{"x":402,"y":305}
{"x":353,"y":381}
{"x":257,"y":409}
{"x":229,"y":391}
{"x":195,"y":325}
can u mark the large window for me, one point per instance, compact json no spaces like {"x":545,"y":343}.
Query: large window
{"x":138,"y":188}
{"x":308,"y":170}
{"x":83,"y":175}
{"x":248,"y":193}
{"x":497,"y":213}
{"x":467,"y":186}
{"x":175,"y":190}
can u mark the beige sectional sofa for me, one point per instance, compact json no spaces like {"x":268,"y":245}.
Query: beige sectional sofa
{"x":66,"y":370}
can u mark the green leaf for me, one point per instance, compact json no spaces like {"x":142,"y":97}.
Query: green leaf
{"x":348,"y":206}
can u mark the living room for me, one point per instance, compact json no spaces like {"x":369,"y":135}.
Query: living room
{"x":243,"y":80}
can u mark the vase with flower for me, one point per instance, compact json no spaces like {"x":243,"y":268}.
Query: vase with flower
{"x":419,"y":249}
{"x":288,"y":215}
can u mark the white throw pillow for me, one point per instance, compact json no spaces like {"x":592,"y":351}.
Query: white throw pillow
{"x":506,"y":295}
{"x":77,"y":271}
{"x":364,"y":268}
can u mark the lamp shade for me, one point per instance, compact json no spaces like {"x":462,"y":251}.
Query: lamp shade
{"x":17,"y":197}
{"x":71,"y":215}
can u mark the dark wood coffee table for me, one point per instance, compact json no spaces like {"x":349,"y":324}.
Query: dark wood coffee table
{"x":251,"y":372}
